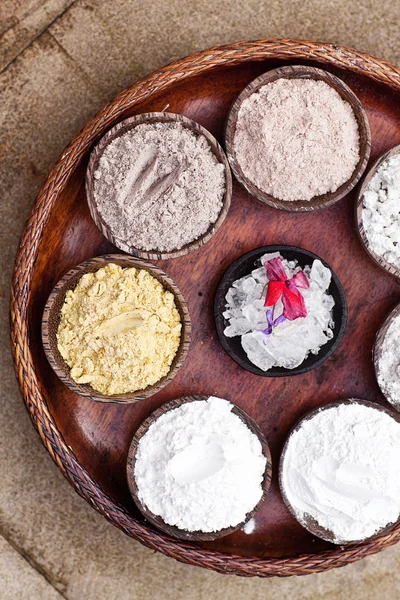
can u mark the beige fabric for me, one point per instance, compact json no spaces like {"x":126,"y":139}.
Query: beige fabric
{"x":59,"y":75}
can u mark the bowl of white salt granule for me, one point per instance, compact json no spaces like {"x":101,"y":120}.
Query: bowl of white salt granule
{"x":378,"y":212}
{"x":158,"y":185}
{"x":297,"y":138}
{"x":198,"y":468}
{"x":386,"y":357}
{"x":340,"y":471}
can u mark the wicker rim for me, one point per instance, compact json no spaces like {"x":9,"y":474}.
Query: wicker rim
{"x":240,"y":52}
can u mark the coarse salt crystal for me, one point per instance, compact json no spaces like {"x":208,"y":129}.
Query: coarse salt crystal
{"x":381,"y":211}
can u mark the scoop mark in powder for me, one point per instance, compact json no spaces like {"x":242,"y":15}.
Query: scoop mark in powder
{"x":159,"y":186}
{"x":197,"y":462}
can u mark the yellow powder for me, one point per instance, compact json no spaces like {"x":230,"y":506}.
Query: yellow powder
{"x":119,"y":330}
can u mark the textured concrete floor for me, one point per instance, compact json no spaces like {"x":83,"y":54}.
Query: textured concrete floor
{"x":60,"y":60}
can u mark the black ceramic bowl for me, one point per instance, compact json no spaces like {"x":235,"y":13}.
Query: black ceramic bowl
{"x":243,"y":266}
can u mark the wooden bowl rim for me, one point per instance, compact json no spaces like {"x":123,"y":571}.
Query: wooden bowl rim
{"x":300,"y":72}
{"x":59,"y":365}
{"x":377,"y":349}
{"x":220,"y":322}
{"x":157,"y":521}
{"x":130,"y":123}
{"x":379,"y":260}
{"x":308,"y":522}
{"x":374,"y":71}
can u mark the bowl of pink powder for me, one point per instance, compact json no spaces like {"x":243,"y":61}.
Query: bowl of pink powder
{"x":158,"y":185}
{"x":297,"y":138}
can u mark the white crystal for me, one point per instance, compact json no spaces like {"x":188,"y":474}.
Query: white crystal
{"x":290,"y":342}
{"x":320,"y":274}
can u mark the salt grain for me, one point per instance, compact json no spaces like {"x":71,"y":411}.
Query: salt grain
{"x":381,"y":211}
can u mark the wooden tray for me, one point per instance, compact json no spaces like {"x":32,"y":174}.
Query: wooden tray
{"x":89,"y":441}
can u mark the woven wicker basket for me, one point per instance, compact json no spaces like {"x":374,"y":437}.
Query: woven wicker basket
{"x":85,"y":485}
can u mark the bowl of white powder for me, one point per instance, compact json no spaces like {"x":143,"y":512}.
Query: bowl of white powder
{"x":280,"y":311}
{"x":340,"y":471}
{"x":198,"y":468}
{"x":298,"y":138}
{"x":158,"y":185}
{"x":386,"y":357}
{"x":378,"y":212}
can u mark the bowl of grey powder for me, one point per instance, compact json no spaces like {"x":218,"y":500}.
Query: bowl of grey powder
{"x":198,"y":468}
{"x":297,"y":138}
{"x":386,"y":357}
{"x":340,"y":471}
{"x":378,"y":212}
{"x":158,"y":185}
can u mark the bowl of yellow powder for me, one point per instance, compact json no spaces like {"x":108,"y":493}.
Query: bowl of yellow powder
{"x":116,"y":329}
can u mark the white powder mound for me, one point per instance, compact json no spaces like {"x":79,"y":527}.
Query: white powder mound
{"x":389,"y":364}
{"x":342,"y":468}
{"x":381,"y":211}
{"x":296,"y":139}
{"x":159,"y":186}
{"x":199,"y":467}
{"x":290,"y":342}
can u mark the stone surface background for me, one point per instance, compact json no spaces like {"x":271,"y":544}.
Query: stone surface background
{"x":60,"y":60}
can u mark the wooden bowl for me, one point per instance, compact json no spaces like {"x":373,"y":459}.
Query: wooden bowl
{"x":52,"y":315}
{"x":172,"y":530}
{"x":243,"y":266}
{"x":309,"y":522}
{"x":300,"y":72}
{"x":377,"y":350}
{"x":379,"y":260}
{"x":120,"y":129}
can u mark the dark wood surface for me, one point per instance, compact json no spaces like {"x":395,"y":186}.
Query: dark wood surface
{"x":380,"y":261}
{"x":197,"y":536}
{"x":121,"y":128}
{"x":243,"y":266}
{"x":100,"y":434}
{"x":300,"y":72}
{"x":52,"y":316}
{"x":310,"y":523}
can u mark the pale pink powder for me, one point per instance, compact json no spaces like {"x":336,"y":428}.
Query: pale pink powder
{"x":296,"y":139}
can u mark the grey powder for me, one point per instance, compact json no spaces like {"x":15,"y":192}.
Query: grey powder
{"x":159,"y":186}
